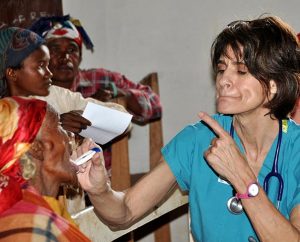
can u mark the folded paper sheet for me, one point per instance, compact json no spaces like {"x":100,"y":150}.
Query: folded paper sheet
{"x":107,"y":123}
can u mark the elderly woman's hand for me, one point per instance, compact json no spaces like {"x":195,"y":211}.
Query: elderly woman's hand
{"x":92,"y":175}
{"x":224,"y":156}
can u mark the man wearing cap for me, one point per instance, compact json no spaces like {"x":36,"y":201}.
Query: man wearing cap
{"x":64,"y":37}
{"x":24,"y":60}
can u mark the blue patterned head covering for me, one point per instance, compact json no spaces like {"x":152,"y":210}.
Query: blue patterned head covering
{"x":16,"y":45}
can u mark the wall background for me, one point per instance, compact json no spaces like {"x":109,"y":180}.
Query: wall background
{"x":173,"y":38}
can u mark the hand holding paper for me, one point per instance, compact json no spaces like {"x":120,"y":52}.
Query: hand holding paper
{"x":107,"y":123}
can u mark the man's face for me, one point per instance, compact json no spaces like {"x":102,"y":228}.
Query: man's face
{"x":65,"y":57}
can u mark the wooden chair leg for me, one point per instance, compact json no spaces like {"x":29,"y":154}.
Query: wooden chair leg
{"x":120,"y":172}
{"x":120,"y":160}
{"x":163,"y":234}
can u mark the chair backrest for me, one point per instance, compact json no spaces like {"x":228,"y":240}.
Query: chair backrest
{"x":155,"y":127}
{"x":163,"y":233}
{"x":121,"y":179}
{"x":120,"y":171}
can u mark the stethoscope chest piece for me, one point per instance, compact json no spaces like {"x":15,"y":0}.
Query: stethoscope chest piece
{"x":235,"y":206}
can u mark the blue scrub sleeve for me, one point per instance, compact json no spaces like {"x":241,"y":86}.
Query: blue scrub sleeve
{"x":178,"y":153}
{"x":291,"y":158}
{"x":296,"y":196}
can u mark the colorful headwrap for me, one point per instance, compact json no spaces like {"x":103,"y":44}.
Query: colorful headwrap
{"x":15,"y":45}
{"x":20,"y":121}
{"x":62,"y":27}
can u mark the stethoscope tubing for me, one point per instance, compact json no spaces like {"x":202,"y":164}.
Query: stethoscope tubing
{"x":274,"y":172}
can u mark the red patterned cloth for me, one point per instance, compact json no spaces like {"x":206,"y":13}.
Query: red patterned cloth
{"x":32,"y":219}
{"x":20,"y":121}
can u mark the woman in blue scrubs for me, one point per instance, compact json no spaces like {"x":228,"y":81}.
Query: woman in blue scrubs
{"x":224,"y":161}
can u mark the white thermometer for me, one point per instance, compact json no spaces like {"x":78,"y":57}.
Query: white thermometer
{"x":86,"y":156}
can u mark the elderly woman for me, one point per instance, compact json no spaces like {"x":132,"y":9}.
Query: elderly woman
{"x":225,"y":161}
{"x":34,"y":162}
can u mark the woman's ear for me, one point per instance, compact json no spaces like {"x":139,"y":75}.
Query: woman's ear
{"x":36,"y":150}
{"x":41,"y":148}
{"x":273,"y":87}
{"x":10,"y":74}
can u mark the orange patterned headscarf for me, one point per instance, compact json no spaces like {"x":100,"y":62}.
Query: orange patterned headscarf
{"x":20,"y":121}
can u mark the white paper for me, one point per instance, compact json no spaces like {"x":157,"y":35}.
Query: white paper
{"x":107,"y":123}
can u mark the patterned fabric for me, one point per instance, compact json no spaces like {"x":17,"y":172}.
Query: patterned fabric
{"x":62,"y":27}
{"x":32,"y":219}
{"x":88,"y":82}
{"x":15,"y":45}
{"x":20,"y":121}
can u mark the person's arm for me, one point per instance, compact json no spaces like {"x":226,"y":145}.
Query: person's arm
{"x":119,"y":209}
{"x":69,"y":104}
{"x":141,"y":101}
{"x":269,"y":223}
{"x":225,"y":158}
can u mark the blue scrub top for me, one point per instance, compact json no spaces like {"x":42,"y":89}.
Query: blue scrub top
{"x":208,"y":195}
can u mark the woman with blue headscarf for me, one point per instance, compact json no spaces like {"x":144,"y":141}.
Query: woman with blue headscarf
{"x":19,"y":75}
{"x":24,"y":61}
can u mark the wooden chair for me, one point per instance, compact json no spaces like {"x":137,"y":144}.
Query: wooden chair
{"x":120,"y":171}
{"x":120,"y":165}
{"x":162,"y":234}
{"x":121,"y":179}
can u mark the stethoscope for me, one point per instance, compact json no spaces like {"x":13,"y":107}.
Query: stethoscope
{"x":234,"y":204}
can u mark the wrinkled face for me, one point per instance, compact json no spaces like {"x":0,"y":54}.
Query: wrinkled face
{"x":65,"y":59}
{"x":238,"y":92}
{"x":59,"y":165}
{"x":34,"y":77}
